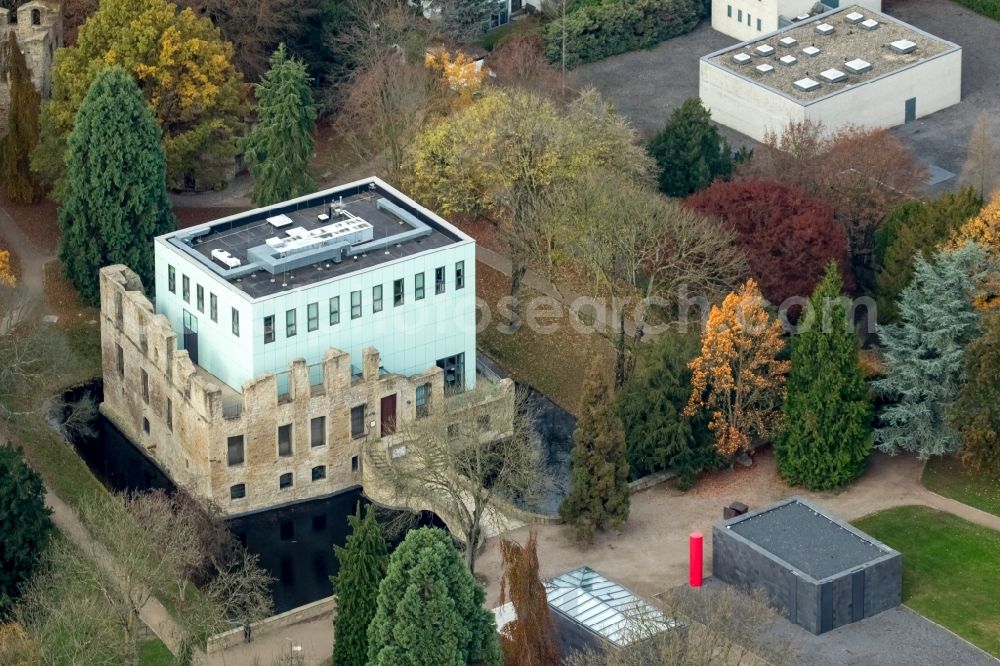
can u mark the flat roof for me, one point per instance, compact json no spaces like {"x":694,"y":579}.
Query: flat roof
{"x":329,"y":234}
{"x":848,"y":43}
{"x":806,"y":538}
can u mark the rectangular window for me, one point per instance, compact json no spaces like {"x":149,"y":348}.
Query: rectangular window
{"x":200,"y":292}
{"x":439,"y":280}
{"x":171,"y":279}
{"x":355,"y":463}
{"x":418,"y":286}
{"x":236,"y":322}
{"x":397,"y":293}
{"x":459,"y":275}
{"x":748,"y":18}
{"x":355,"y":304}
{"x":213,"y":307}
{"x":145,"y":425}
{"x":319,"y":472}
{"x":234,"y":450}
{"x":186,"y":288}
{"x":170,"y":415}
{"x":268,"y":329}
{"x":120,"y":353}
{"x":423,"y":400}
{"x":739,"y":15}
{"x":285,"y":480}
{"x":358,"y":421}
{"x":285,"y":440}
{"x":334,"y":310}
{"x":377,"y":298}
{"x":317,"y":431}
{"x":758,"y":25}
{"x":239,"y":491}
{"x":144,"y":378}
{"x":290,"y":323}
{"x":729,"y":11}
{"x":454,"y":373}
{"x":312,"y":316}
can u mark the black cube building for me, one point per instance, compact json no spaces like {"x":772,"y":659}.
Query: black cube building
{"x":821,"y":572}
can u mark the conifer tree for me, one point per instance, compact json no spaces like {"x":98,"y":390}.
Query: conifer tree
{"x":25,"y":525}
{"x":279,"y":147}
{"x":19,"y":182}
{"x":827,"y":410}
{"x":363,"y":560}
{"x":925,"y":351}
{"x":527,"y":640}
{"x":689,"y":151}
{"x":598,"y":495}
{"x":976,"y":413}
{"x":116,"y":196}
{"x":430,"y":609}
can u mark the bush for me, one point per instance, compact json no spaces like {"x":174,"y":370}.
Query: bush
{"x":988,"y":8}
{"x":601,"y":30}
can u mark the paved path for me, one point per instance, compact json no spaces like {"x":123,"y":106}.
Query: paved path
{"x":31,"y":258}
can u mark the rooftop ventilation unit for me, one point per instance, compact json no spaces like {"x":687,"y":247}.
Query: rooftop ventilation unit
{"x":802,"y":17}
{"x":765,"y":50}
{"x":806,"y":84}
{"x":857,"y":66}
{"x":833,"y":75}
{"x":854,"y":17}
{"x":764,"y":69}
{"x":788,"y":42}
{"x":788,"y":60}
{"x":224,"y":258}
{"x":824,"y":29}
{"x":811,"y":51}
{"x":870,"y":24}
{"x":279,"y":221}
{"x":903,"y":46}
{"x":741,"y":58}
{"x":322,"y":217}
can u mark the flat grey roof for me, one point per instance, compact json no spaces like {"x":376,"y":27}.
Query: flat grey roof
{"x":848,"y":42}
{"x":807,"y":539}
{"x":392,"y":235}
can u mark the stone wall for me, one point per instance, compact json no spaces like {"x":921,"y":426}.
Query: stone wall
{"x":183,"y":419}
{"x":39,"y":29}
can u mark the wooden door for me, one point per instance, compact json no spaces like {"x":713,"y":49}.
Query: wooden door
{"x":388,"y":415}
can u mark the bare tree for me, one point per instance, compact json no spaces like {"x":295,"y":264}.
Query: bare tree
{"x":371,"y":29}
{"x":467,"y":461}
{"x":982,"y":162}
{"x":519,"y":62}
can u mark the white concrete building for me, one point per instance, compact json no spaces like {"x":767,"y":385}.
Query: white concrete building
{"x":748,"y":19}
{"x":849,"y":66}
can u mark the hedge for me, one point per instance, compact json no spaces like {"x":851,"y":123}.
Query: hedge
{"x":601,"y":30}
{"x":989,"y":8}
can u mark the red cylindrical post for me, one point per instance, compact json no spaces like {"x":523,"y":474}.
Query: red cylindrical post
{"x":695,"y":549}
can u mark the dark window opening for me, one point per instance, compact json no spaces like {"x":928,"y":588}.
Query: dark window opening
{"x":186,"y":288}
{"x":439,"y":280}
{"x":418,"y":286}
{"x":120,"y":353}
{"x":285,"y":440}
{"x":144,"y":378}
{"x":145,"y":425}
{"x":319,"y":472}
{"x":213,"y":307}
{"x":312,"y":317}
{"x":171,"y":280}
{"x":358,"y":421}
{"x":285,"y":481}
{"x":460,"y":275}
{"x":334,"y":310}
{"x":268,"y":329}
{"x":355,"y":304}
{"x":234,"y":450}
{"x":200,"y":296}
{"x":377,"y":298}
{"x":236,"y":322}
{"x":454,"y":373}
{"x":289,"y":323}
{"x":423,"y":400}
{"x":170,"y":415}
{"x":239,"y":491}
{"x":317,"y":431}
{"x":355,"y":463}
{"x":398,"y":296}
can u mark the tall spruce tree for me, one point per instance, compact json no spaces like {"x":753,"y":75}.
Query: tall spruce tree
{"x":976,"y":413}
{"x":828,"y":413}
{"x":925,"y":351}
{"x":689,"y":151}
{"x":279,"y":147}
{"x":19,"y":182}
{"x":430,"y":609}
{"x":116,"y":196}
{"x":363,"y":561}
{"x":24,"y":524}
{"x":598,"y":495}
{"x":658,"y":436}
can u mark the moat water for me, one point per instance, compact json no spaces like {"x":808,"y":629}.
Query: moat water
{"x":295,"y":542}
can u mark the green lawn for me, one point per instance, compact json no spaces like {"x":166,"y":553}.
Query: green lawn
{"x":951,"y":569}
{"x":154,"y":653}
{"x":948,"y":477}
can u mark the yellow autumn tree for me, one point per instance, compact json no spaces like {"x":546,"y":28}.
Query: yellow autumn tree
{"x":459,"y":72}
{"x":738,"y":378}
{"x":184,"y":69}
{"x":7,"y":276}
{"x":985,"y":230}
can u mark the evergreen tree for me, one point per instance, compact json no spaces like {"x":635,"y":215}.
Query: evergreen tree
{"x":19,"y":182}
{"x":689,"y":151}
{"x":658,"y":436}
{"x":925,"y":351}
{"x":24,"y":523}
{"x":599,"y":494}
{"x":976,"y":413}
{"x":827,"y":410}
{"x":430,"y":609}
{"x":116,"y":196}
{"x":279,"y":147}
{"x":466,"y":20}
{"x":363,"y":562}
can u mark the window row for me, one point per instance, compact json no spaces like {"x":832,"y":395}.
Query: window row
{"x":739,"y":17}
{"x":213,"y":300}
{"x":398,"y":298}
{"x":285,"y":481}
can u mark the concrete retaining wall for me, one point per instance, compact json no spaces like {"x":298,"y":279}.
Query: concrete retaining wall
{"x":317,"y":609}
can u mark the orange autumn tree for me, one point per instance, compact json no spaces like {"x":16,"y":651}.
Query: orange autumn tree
{"x":6,"y":270}
{"x":985,"y":230}
{"x":459,"y":72}
{"x":528,"y":639}
{"x":738,"y":378}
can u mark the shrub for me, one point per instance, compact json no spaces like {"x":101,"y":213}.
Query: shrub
{"x":601,"y":30}
{"x":988,"y":8}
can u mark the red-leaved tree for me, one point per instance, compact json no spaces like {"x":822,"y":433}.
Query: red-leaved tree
{"x":788,"y":236}
{"x":527,"y":640}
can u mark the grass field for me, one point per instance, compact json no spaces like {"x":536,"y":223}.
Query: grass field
{"x":951,"y":569}
{"x":154,"y":653}
{"x":948,"y":477}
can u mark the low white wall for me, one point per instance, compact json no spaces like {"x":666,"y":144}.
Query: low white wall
{"x":320,"y":608}
{"x":742,"y":104}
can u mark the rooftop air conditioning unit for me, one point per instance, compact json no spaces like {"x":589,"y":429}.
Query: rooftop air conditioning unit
{"x":811,"y":51}
{"x":903,"y":46}
{"x":806,"y":84}
{"x":788,"y":60}
{"x":870,"y":24}
{"x":788,"y":42}
{"x":765,"y":50}
{"x":854,"y":17}
{"x":764,"y":69}
{"x":833,"y":75}
{"x":741,"y":58}
{"x":824,"y":29}
{"x":857,"y":66}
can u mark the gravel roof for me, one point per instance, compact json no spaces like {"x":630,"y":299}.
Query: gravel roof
{"x":848,"y":41}
{"x":806,"y":539}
